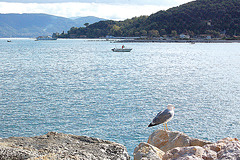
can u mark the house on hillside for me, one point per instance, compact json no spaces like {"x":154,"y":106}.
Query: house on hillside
{"x":236,"y":37}
{"x":184,"y":36}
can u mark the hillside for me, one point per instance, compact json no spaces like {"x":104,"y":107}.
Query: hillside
{"x":33,"y":25}
{"x":193,"y":18}
{"x":199,"y":16}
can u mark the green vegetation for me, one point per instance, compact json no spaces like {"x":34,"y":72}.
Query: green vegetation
{"x":213,"y":17}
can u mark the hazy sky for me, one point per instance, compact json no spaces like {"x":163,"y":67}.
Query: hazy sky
{"x":109,"y":9}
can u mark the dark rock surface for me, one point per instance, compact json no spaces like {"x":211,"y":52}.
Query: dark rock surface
{"x":61,"y":146}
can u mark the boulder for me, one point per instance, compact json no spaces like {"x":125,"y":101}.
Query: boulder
{"x":145,"y":151}
{"x":191,"y":152}
{"x":227,"y":148}
{"x":61,"y":146}
{"x":166,"y":140}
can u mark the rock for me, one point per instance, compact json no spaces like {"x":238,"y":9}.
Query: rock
{"x":166,"y":140}
{"x":192,"y":152}
{"x":61,"y":146}
{"x":227,"y":148}
{"x":179,"y":146}
{"x":145,"y":151}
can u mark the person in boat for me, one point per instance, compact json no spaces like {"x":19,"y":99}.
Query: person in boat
{"x":123,"y":46}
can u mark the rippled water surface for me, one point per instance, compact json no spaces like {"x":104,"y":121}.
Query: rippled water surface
{"x":81,"y":87}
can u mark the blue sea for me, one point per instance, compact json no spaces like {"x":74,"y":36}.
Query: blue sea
{"x":81,"y":87}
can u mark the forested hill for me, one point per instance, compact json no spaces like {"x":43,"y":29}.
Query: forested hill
{"x":193,"y":18}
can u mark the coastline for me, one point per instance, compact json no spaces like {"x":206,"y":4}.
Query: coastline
{"x":177,"y":41}
{"x":161,"y":145}
{"x":139,"y":40}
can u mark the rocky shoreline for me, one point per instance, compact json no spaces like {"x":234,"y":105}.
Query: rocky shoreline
{"x":161,"y":145}
{"x":56,"y":146}
{"x":169,"y":145}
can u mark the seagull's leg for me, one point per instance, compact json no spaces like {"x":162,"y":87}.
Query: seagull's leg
{"x":166,"y":126}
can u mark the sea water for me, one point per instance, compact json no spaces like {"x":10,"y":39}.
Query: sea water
{"x":81,"y":87}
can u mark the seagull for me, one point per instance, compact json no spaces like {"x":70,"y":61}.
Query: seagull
{"x":163,"y":116}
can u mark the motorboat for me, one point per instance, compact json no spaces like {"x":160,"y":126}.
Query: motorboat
{"x":121,"y":49}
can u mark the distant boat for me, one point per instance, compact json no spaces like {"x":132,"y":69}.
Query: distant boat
{"x":121,"y":49}
{"x":9,"y":41}
{"x":43,"y":38}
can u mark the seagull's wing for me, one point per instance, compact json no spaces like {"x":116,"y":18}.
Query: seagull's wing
{"x":161,"y":117}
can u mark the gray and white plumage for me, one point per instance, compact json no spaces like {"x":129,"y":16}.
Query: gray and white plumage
{"x":163,"y":116}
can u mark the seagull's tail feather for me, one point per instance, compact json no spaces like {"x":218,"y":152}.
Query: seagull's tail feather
{"x":151,"y":124}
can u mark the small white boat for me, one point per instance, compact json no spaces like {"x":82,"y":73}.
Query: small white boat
{"x":123,"y":49}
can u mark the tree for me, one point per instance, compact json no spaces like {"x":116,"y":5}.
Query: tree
{"x":143,"y":33}
{"x":86,"y":24}
{"x":163,"y":32}
{"x":137,"y":33}
{"x":115,"y":31}
{"x":213,"y":33}
{"x":174,"y":33}
{"x":153,"y":33}
{"x":73,"y":30}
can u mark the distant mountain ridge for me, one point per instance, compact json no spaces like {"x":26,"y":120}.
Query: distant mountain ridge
{"x":33,"y":25}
